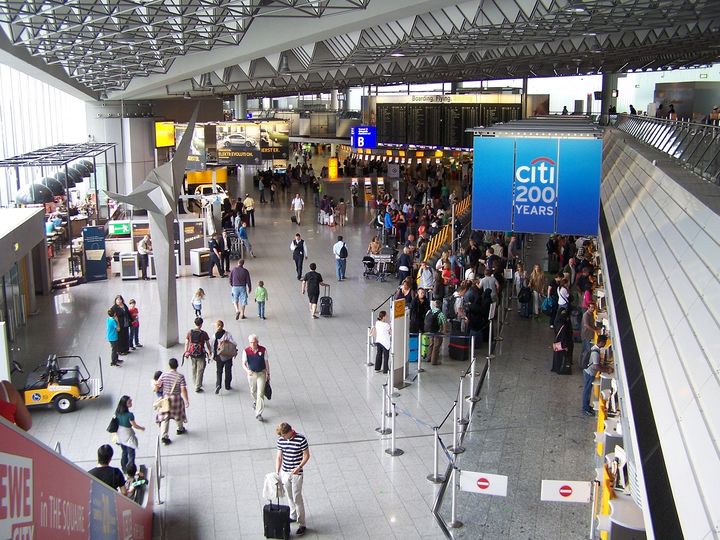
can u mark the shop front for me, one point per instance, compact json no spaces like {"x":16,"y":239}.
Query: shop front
{"x":24,"y":269}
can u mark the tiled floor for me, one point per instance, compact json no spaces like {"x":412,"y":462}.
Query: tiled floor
{"x":322,"y":386}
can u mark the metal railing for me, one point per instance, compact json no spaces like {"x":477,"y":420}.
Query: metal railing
{"x":444,"y":235}
{"x":694,"y":146}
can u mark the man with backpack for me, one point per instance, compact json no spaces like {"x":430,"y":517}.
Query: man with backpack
{"x":341,"y":253}
{"x":197,"y":347}
{"x":435,"y":324}
{"x":594,"y":365}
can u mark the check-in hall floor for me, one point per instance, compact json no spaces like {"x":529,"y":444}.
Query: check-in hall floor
{"x":527,"y":423}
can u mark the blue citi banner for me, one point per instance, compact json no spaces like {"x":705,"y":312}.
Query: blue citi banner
{"x":536,"y":185}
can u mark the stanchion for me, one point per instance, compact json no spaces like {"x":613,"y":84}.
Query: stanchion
{"x":461,"y":415}
{"x":456,"y":448}
{"x":158,"y":471}
{"x":391,"y":374}
{"x":436,"y":477}
{"x":393,"y":450}
{"x":383,"y":429}
{"x":454,"y":523}
{"x":419,"y":358}
{"x":368,"y":362}
{"x":472,"y":398}
{"x":490,"y":355}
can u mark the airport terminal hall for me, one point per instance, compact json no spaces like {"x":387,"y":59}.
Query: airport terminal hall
{"x":360,"y":269}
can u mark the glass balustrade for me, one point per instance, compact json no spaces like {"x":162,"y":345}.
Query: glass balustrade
{"x":695,"y":146}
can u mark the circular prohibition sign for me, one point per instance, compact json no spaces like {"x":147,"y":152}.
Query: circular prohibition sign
{"x":565,"y":491}
{"x":483,"y":483}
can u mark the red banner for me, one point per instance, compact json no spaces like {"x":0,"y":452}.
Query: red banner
{"x":45,"y":496}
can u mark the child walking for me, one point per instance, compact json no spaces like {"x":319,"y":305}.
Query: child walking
{"x":197,"y":301}
{"x":261,"y":296}
{"x":134,"y":325}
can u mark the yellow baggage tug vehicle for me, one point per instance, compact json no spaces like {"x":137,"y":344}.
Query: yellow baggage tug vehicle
{"x":61,"y":384}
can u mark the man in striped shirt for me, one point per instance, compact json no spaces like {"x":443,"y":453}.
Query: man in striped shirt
{"x":293,"y":453}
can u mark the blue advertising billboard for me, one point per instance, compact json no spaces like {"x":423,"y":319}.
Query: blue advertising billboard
{"x":363,"y":136}
{"x":536,"y":185}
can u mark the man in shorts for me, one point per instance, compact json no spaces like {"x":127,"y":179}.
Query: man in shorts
{"x":312,"y":281}
{"x":240,"y":286}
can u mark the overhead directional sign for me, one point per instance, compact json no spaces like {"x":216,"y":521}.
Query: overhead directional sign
{"x":363,"y":136}
{"x":487,"y":484}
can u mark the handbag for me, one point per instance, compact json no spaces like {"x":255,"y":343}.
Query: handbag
{"x":162,"y":405}
{"x":113,"y":425}
{"x":268,"y":391}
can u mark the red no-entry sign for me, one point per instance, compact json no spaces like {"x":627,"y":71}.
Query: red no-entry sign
{"x":483,"y":483}
{"x":566,"y":491}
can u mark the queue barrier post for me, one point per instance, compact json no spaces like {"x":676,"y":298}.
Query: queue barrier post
{"x":391,"y":373}
{"x":393,"y":450}
{"x":490,"y":355}
{"x":158,"y":471}
{"x":472,"y":398}
{"x":456,"y":447}
{"x":383,"y":429}
{"x":419,"y":353}
{"x":436,"y":477}
{"x":454,"y":523}
{"x":461,"y":415}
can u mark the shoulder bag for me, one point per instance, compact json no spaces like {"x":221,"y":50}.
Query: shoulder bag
{"x":162,"y":405}
{"x":558,"y":345}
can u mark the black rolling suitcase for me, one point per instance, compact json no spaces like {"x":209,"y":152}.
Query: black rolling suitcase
{"x":458,"y":346}
{"x":326,"y":304}
{"x":524,"y":299}
{"x":276,"y":519}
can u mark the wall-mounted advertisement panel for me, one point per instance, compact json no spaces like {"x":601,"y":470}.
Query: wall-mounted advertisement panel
{"x":275,"y":140}
{"x":164,"y":134}
{"x":536,"y":185}
{"x":198,"y":154}
{"x":238,"y":143}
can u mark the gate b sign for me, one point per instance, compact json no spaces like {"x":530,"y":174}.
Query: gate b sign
{"x":363,"y":136}
{"x":536,"y":185}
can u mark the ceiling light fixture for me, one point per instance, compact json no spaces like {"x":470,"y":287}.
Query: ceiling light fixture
{"x":397,"y":54}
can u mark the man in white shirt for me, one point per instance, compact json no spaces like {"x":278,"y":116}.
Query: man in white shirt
{"x":296,"y":206}
{"x":340,"y":258}
{"x":300,"y":253}
{"x":249,"y":204}
{"x":144,"y":249}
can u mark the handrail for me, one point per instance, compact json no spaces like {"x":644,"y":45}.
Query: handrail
{"x":692,"y":145}
{"x":443,"y":235}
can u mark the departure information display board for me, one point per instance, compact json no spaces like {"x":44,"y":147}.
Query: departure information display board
{"x":438,"y":124}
